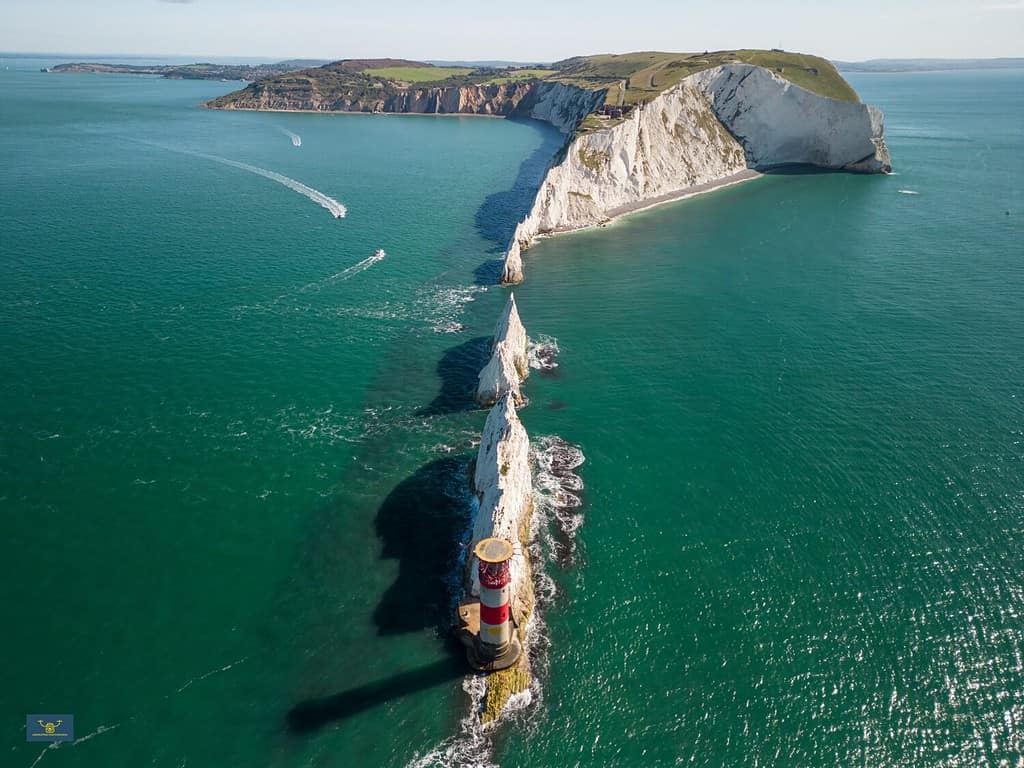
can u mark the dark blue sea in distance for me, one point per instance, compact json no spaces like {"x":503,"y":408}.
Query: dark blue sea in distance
{"x":234,"y":444}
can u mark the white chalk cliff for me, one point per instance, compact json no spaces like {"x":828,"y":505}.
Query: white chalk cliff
{"x":779,"y":123}
{"x":563,"y":105}
{"x":711,"y":126}
{"x":504,"y":486}
{"x":508,"y":364}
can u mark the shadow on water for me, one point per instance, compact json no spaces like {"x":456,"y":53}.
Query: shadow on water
{"x":312,"y":714}
{"x":794,"y":169}
{"x":421,"y":523}
{"x":458,"y":369}
{"x":489,"y":272}
{"x":497,"y":217}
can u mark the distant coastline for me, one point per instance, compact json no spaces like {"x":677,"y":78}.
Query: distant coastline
{"x":357,"y":112}
{"x":198,"y":71}
{"x":927,"y":65}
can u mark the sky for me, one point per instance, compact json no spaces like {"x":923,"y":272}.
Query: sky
{"x":523,"y":30}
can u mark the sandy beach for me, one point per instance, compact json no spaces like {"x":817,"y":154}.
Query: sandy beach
{"x":642,"y":205}
{"x":698,"y":189}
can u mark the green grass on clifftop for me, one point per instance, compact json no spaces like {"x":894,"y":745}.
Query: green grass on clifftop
{"x":635,"y":77}
{"x":627,"y":79}
{"x":514,"y":75}
{"x":425,"y":74}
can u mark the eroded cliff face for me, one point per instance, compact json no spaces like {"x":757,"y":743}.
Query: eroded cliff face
{"x":557,"y":103}
{"x":713,"y":125}
{"x":471,"y":99}
{"x":504,"y":486}
{"x":564,"y":106}
{"x":779,"y":123}
{"x":674,"y":142}
{"x":508,"y":365}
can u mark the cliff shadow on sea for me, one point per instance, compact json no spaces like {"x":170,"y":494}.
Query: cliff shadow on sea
{"x":497,"y":216}
{"x":458,"y":369}
{"x":312,"y":714}
{"x":797,"y":169}
{"x":421,"y":524}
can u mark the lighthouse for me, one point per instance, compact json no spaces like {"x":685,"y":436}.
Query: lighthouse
{"x":495,"y":647}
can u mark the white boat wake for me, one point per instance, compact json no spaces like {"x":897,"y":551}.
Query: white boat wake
{"x":355,"y":269}
{"x":338,"y":210}
{"x":296,"y":139}
{"x":908,"y":192}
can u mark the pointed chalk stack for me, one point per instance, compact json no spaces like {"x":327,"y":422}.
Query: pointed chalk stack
{"x":508,"y":365}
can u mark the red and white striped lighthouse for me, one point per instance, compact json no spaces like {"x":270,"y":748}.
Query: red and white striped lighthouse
{"x":496,"y":647}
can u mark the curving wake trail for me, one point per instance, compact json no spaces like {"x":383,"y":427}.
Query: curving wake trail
{"x":338,"y":210}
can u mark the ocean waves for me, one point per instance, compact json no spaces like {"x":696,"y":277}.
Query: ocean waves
{"x":542,"y":353}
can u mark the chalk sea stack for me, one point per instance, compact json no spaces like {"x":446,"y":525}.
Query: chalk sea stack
{"x":508,"y":364}
{"x":503,"y":484}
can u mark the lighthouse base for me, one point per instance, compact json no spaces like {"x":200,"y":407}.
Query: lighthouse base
{"x":481,"y":658}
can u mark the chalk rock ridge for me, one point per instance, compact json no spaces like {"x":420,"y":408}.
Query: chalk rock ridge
{"x":508,"y":365}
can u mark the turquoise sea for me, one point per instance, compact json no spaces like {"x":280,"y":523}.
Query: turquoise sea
{"x":234,"y":445}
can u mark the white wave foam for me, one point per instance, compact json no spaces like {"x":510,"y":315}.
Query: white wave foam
{"x":541,"y":353}
{"x":909,"y":192}
{"x":442,"y":307}
{"x":556,"y":495}
{"x":327,"y":427}
{"x":471,"y":746}
{"x":57,"y":744}
{"x":296,"y":139}
{"x":212,"y":672}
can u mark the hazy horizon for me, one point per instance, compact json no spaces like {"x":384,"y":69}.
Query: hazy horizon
{"x":318,"y":29}
{"x":251,"y":59}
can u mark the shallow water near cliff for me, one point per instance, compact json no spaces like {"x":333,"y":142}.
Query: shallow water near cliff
{"x":231,"y":452}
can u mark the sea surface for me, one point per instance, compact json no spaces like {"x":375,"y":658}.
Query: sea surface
{"x":234,"y":442}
